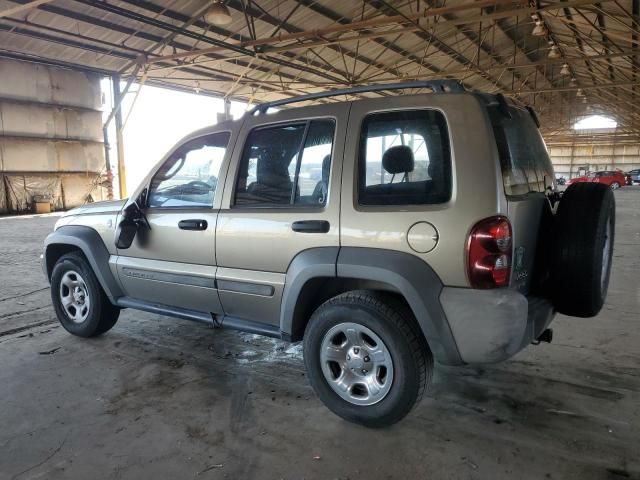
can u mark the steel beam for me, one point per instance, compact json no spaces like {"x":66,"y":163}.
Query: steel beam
{"x":21,"y":8}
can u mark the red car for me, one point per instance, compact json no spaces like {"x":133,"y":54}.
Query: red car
{"x":610,"y":178}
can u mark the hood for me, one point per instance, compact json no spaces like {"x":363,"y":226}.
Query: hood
{"x":107,"y":206}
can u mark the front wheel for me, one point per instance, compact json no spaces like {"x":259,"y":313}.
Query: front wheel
{"x":81,"y":305}
{"x":615,"y":186}
{"x":366,"y":358}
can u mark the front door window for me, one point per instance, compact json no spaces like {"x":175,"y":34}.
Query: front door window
{"x":189,"y":178}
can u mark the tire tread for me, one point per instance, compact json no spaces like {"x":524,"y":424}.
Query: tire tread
{"x":107,"y":312}
{"x":398,"y":313}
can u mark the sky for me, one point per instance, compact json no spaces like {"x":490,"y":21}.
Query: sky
{"x":159,"y":119}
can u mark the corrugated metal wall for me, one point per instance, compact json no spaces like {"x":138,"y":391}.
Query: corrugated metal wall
{"x":51,"y":141}
{"x":569,"y":160}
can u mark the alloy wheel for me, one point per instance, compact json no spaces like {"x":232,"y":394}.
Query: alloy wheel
{"x":356,"y":363}
{"x":74,"y":296}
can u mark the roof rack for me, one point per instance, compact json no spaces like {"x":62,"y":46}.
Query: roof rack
{"x":438,"y":86}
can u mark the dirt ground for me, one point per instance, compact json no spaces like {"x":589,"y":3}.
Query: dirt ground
{"x":163,"y":398}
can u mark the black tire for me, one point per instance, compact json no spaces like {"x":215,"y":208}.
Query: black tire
{"x":395,"y":325}
{"x":584,"y":222}
{"x":101,"y":314}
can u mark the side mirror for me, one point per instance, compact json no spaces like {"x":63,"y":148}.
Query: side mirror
{"x":132,"y":219}
{"x":125,"y":233}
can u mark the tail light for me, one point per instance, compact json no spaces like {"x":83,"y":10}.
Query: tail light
{"x":489,"y":253}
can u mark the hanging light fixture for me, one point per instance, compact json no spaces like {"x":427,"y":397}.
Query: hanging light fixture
{"x":539,"y":30}
{"x":565,"y":70}
{"x":554,"y":52}
{"x":573,"y":82}
{"x":218,"y":14}
{"x":579,"y":93}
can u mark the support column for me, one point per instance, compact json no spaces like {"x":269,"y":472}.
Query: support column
{"x":117,"y":97}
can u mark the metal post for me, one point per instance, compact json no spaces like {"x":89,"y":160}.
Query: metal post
{"x":107,"y":157}
{"x":117,"y":97}
{"x":107,"y":162}
{"x":227,"y":109}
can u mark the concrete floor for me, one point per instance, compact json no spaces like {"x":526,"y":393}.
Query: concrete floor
{"x":164,"y":398}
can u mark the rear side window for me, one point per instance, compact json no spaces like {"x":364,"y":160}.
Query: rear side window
{"x":405,"y":159}
{"x":286,"y":165}
{"x":524,"y":160}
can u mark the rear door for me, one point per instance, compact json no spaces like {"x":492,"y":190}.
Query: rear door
{"x":282,"y":197}
{"x":526,"y":172}
{"x":415,"y":178}
{"x":173,"y":263}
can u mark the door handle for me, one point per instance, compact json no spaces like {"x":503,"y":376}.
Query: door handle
{"x":193,"y":224}
{"x":311,"y":226}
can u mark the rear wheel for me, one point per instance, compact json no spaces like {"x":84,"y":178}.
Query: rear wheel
{"x":81,"y":305}
{"x":366,"y":358}
{"x":583,"y":249}
{"x":615,"y":186}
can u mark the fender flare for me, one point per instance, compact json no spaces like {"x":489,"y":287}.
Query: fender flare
{"x":308,"y":265}
{"x":404,"y":273}
{"x":89,"y":241}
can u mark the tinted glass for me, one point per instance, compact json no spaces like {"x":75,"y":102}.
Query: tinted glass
{"x":315,"y":164}
{"x":286,"y":165}
{"x":405,"y":159}
{"x":524,"y":160}
{"x":189,"y":177}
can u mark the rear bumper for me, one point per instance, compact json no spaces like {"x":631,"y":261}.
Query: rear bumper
{"x":489,"y":326}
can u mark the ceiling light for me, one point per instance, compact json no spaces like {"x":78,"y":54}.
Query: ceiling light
{"x":573,"y":82}
{"x":539,"y":30}
{"x":565,"y":70}
{"x":554,"y":52}
{"x":218,"y":14}
{"x":579,"y":93}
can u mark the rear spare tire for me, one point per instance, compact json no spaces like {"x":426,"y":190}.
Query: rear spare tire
{"x":583,"y":248}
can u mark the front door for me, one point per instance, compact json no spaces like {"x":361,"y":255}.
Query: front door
{"x":281,"y":198}
{"x":173,"y":262}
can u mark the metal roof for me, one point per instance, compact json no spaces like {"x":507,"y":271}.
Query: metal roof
{"x":275,"y":49}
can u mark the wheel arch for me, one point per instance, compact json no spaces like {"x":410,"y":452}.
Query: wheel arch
{"x":88,"y":241}
{"x":318,"y":274}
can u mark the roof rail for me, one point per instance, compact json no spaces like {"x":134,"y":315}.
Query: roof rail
{"x":438,"y":86}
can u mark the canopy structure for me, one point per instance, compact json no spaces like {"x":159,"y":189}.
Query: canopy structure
{"x":565,"y":58}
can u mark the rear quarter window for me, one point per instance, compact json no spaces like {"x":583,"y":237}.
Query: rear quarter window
{"x":405,"y":159}
{"x":524,"y":160}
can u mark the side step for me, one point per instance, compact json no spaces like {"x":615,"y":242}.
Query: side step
{"x":223,"y":321}
{"x":177,"y":312}
{"x":248,"y":326}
